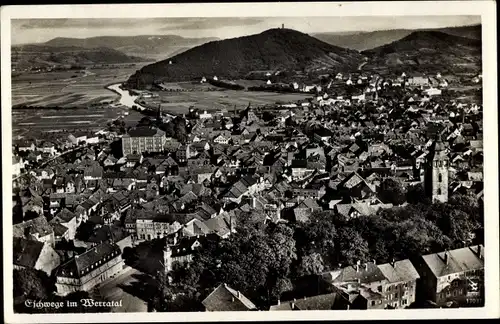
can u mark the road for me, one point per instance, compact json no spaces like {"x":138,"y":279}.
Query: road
{"x":111,"y":291}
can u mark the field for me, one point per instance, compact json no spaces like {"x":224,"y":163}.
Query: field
{"x":198,"y":96}
{"x":69,"y":88}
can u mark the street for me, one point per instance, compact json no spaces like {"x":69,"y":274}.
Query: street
{"x":111,"y":291}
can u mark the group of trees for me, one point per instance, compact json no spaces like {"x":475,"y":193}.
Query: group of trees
{"x":176,"y":128}
{"x":226,"y":85}
{"x":265,"y":260}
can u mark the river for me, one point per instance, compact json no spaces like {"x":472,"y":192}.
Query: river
{"x":125,"y":98}
{"x":128,"y":100}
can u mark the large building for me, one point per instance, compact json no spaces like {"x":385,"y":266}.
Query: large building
{"x":453,"y":276}
{"x":143,"y":139}
{"x":372,"y":286}
{"x":85,"y":271}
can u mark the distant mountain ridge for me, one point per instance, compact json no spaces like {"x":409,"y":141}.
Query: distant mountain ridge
{"x":362,"y":41}
{"x":152,"y":46}
{"x":427,"y":49}
{"x":273,"y":49}
{"x":37,"y":56}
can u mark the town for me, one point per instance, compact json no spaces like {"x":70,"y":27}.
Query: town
{"x":366,"y":195}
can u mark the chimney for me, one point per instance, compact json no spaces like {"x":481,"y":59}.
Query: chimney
{"x":374,"y":262}
{"x":366,"y":266}
{"x":446,"y":257}
{"x":357,"y":267}
{"x":254,"y":202}
{"x":175,"y":239}
{"x":479,"y":250}
{"x":279,"y":302}
{"x":239,"y":294}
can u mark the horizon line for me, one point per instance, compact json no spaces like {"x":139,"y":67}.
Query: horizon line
{"x":278,"y":27}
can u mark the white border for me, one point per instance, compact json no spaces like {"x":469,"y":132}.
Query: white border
{"x":486,"y":9}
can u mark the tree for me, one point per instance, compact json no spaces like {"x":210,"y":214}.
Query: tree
{"x":319,"y":234}
{"x":352,"y":247}
{"x":282,"y":285}
{"x":391,"y":191}
{"x":311,"y":264}
{"x":416,"y":194}
{"x":32,"y":283}
{"x":145,"y":121}
{"x":169,"y":129}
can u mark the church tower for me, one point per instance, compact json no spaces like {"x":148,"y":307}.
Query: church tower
{"x":437,"y":177}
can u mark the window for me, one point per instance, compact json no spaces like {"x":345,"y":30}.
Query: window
{"x":379,"y":288}
{"x":373,"y":303}
{"x":396,"y":295}
{"x":440,"y":178}
{"x":439,"y":191}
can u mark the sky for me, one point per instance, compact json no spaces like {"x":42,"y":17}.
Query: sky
{"x":41,"y":30}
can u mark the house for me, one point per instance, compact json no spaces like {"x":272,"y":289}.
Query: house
{"x":323,"y":135}
{"x":34,"y":255}
{"x":67,"y":218}
{"x":433,"y":92}
{"x":332,"y":301}
{"x":89,"y":269}
{"x":49,"y":148}
{"x":417,"y":81}
{"x":182,"y":251}
{"x":305,"y":209}
{"x":373,"y":286}
{"x":17,"y":165}
{"x":92,"y":173}
{"x":224,"y":298}
{"x":455,"y":275}
{"x":25,"y":146}
{"x":37,"y":229}
{"x":205,"y":115}
{"x":30,"y":202}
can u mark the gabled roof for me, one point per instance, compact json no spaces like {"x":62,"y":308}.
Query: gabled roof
{"x":86,"y":262}
{"x":225,"y":298}
{"x":399,"y":271}
{"x":37,"y":225}
{"x":455,"y":261}
{"x":320,"y":302}
{"x":26,"y":252}
{"x":66,"y":215}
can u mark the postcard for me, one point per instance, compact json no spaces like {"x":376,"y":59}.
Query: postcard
{"x":250,"y":161}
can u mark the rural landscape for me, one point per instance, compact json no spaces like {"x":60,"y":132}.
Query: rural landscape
{"x":192,"y":169}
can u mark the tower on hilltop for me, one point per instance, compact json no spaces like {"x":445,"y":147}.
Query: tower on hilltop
{"x":436,"y":180}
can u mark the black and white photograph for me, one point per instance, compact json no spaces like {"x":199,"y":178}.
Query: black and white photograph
{"x":271,"y":157}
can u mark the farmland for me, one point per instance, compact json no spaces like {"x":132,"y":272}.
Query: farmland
{"x":184,"y":95}
{"x":70,"y":88}
{"x":80,"y":100}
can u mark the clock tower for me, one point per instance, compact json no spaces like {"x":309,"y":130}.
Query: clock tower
{"x":437,"y":173}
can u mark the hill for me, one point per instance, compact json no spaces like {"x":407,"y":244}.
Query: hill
{"x":150,"y":46}
{"x":362,"y":41}
{"x":427,"y":51}
{"x":39,"y":56}
{"x":274,"y":49}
